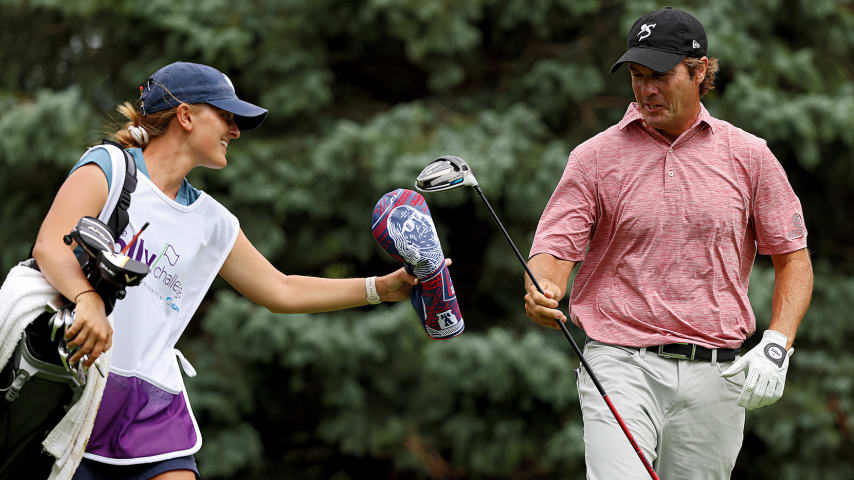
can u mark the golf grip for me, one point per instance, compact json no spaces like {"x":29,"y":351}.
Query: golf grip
{"x":577,"y":350}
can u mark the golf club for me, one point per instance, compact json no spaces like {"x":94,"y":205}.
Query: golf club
{"x":448,"y":172}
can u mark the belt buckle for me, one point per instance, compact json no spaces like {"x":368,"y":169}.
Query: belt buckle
{"x":678,"y":356}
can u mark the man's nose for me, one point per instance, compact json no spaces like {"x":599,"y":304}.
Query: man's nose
{"x":649,"y":88}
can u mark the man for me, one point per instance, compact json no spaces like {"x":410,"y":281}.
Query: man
{"x":667,"y":210}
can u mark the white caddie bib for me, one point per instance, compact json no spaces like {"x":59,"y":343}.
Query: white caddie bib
{"x":184,"y":247}
{"x":145,"y":415}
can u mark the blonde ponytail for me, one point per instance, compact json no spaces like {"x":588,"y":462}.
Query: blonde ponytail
{"x":137,"y":130}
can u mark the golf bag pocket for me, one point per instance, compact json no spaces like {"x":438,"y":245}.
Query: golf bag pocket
{"x":403,"y":226}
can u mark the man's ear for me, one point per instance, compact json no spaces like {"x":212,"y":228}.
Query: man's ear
{"x":702,"y":69}
{"x":184,"y":116}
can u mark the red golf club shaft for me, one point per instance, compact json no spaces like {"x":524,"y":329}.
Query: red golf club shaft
{"x":133,"y":240}
{"x":631,"y":438}
{"x":575,"y":348}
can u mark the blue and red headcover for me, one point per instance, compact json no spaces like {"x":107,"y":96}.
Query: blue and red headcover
{"x":404,"y":228}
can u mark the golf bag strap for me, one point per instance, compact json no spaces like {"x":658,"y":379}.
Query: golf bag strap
{"x":119,"y":218}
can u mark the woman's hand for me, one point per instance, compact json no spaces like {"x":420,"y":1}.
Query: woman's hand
{"x":91,"y":330}
{"x":397,"y":285}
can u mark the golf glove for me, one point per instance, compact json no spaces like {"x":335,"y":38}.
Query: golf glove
{"x":765,"y":367}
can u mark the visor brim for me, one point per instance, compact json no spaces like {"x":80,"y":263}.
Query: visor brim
{"x":655,"y":60}
{"x":246,"y":115}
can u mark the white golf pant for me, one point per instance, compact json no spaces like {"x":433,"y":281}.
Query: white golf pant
{"x":682,"y":414}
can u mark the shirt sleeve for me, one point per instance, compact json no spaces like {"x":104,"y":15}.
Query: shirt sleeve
{"x":777,"y":214}
{"x":100,"y":157}
{"x":565,"y":226}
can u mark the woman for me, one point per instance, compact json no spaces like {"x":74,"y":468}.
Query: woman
{"x":187,"y":116}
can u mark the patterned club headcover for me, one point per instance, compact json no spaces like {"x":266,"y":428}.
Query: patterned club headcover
{"x":404,"y":228}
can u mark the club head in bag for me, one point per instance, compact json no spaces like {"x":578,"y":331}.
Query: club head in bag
{"x":121,"y":270}
{"x":445,"y":173}
{"x":92,"y":235}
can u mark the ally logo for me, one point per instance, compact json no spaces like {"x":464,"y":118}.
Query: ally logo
{"x":162,"y":268}
{"x":166,"y":275}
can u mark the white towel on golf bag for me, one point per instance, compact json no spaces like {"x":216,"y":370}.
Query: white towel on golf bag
{"x":67,"y":441}
{"x":22,"y":298}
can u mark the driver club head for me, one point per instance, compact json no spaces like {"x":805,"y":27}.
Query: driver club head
{"x":445,"y":173}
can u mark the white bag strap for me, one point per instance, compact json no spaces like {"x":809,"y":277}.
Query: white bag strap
{"x":117,"y":160}
{"x":123,"y":182}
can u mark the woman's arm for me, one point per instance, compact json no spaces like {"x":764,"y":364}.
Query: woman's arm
{"x":83,"y":193}
{"x":257,"y":279}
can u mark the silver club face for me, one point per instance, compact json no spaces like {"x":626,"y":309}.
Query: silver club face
{"x":94,"y":235}
{"x":445,"y":173}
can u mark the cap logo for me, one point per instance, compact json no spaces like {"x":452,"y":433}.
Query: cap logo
{"x":646,"y":30}
{"x":229,"y":81}
{"x":696,"y":44}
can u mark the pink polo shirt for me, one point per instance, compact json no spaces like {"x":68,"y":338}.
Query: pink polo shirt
{"x":670,"y":231}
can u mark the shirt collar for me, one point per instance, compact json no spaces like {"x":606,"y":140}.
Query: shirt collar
{"x":633,"y":114}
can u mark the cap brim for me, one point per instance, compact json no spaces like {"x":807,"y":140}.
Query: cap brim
{"x":246,"y":115}
{"x":648,"y":57}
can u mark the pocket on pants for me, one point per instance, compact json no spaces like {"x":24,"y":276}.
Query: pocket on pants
{"x":596,"y":353}
{"x":594,"y":350}
{"x":735,"y":382}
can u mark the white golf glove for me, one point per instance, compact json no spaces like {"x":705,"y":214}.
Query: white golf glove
{"x":765,"y":366}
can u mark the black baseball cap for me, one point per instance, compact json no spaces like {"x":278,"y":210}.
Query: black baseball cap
{"x":661,"y":39}
{"x":184,"y":82}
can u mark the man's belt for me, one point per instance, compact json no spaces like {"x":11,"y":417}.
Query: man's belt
{"x":689,"y":351}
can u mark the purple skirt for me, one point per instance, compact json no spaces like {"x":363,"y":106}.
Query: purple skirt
{"x":137,"y":419}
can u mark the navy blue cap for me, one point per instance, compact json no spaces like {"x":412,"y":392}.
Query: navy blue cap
{"x":661,"y":39}
{"x":183,"y":82}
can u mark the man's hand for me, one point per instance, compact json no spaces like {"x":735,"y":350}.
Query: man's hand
{"x":542,"y":309}
{"x":765,"y":366}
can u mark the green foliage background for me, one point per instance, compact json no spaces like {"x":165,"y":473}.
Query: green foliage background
{"x":362,"y":94}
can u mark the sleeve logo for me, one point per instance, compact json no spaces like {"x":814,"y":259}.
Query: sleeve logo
{"x":797,"y":229}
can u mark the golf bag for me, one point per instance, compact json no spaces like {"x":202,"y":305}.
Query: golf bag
{"x":38,"y":385}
